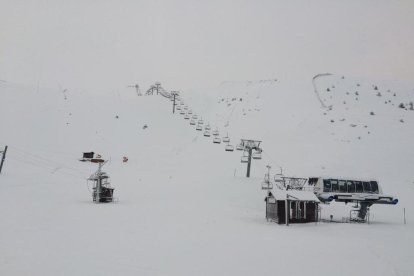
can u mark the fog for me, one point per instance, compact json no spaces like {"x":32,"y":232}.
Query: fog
{"x":108,"y":45}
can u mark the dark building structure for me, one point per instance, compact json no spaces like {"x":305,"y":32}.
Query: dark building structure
{"x":284,"y":207}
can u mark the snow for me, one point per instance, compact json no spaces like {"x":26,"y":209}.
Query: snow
{"x":299,"y":195}
{"x":184,"y":206}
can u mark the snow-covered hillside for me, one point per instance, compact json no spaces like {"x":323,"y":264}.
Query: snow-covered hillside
{"x":184,"y":206}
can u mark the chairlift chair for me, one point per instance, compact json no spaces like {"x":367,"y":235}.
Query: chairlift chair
{"x":192,"y":122}
{"x":216,"y":132}
{"x":190,"y":112}
{"x":257,"y":154}
{"x":267,"y":185}
{"x":178,"y":107}
{"x":185,"y":107}
{"x":207,"y":133}
{"x":182,"y":112}
{"x":229,"y":148}
{"x":226,"y":139}
{"x":240,"y":147}
{"x":199,"y":128}
{"x":216,"y":140}
{"x":245,"y":157}
{"x":194,"y":117}
{"x":186,"y":117}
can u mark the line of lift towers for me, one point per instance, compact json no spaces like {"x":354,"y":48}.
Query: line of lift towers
{"x":251,"y":148}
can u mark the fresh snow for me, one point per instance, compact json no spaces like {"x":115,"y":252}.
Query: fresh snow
{"x":183,"y":204}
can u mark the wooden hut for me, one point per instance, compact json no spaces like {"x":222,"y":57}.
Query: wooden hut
{"x":291,"y":206}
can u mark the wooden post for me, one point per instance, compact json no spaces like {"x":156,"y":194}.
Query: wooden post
{"x":3,"y":158}
{"x":405,"y":222}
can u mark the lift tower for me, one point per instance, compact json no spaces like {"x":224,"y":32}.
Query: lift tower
{"x":248,"y":146}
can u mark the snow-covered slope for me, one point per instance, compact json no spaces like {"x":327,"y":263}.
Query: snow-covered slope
{"x":184,"y":206}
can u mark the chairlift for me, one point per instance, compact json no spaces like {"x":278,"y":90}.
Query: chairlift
{"x":186,"y":117}
{"x":245,"y":157}
{"x":226,"y":139}
{"x":178,"y":107}
{"x":207,"y":133}
{"x":192,"y":122}
{"x":216,"y":132}
{"x":195,"y":117}
{"x":182,"y":112}
{"x":257,"y":154}
{"x":240,"y":147}
{"x":199,"y":128}
{"x":190,"y":112}
{"x":267,"y":185}
{"x":185,"y":107}
{"x":216,"y":140}
{"x":229,"y":147}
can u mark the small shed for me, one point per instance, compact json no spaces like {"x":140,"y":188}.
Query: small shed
{"x":291,"y":206}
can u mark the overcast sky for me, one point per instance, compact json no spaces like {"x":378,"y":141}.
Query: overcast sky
{"x":188,"y":44}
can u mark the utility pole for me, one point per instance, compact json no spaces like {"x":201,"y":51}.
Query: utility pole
{"x":3,"y":157}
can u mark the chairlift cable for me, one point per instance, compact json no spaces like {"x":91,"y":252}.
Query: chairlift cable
{"x":44,"y":167}
{"x":271,"y":159}
{"x":40,"y":159}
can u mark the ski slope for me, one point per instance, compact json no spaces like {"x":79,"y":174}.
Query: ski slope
{"x":183,"y":204}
